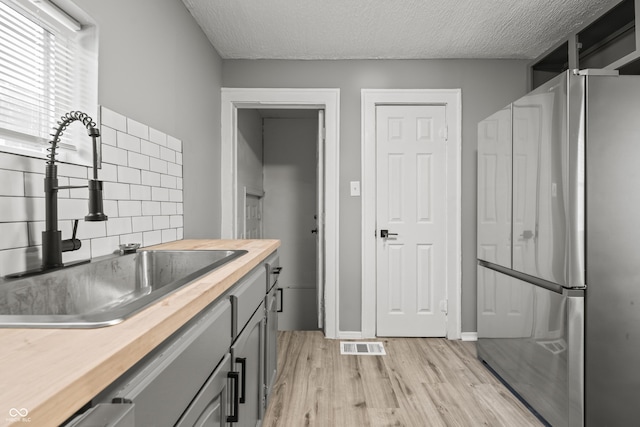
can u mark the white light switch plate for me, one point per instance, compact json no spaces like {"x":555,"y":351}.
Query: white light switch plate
{"x":355,"y":188}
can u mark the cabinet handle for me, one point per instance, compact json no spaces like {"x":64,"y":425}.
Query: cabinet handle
{"x":242,"y":361}
{"x":276,"y":270}
{"x":233,"y":418}
{"x":281,"y":309}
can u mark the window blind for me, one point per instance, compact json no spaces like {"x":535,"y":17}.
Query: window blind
{"x":46,"y":70}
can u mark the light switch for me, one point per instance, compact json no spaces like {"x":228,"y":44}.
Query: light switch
{"x":355,"y":188}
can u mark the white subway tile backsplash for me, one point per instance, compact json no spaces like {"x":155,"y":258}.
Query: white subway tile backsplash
{"x":151,"y":178}
{"x":92,"y":229}
{"x":160,"y":194}
{"x":129,"y":208}
{"x":129,"y":175}
{"x":104,"y":245}
{"x":76,"y":193}
{"x":142,"y":180}
{"x":151,"y":208}
{"x":138,"y":161}
{"x":113,"y":120}
{"x":158,"y":165}
{"x":161,"y":222}
{"x":175,"y":195}
{"x":14,"y":209}
{"x":169,"y":208}
{"x":14,"y":235}
{"x":72,"y":209}
{"x":115,"y":191}
{"x":118,"y":226}
{"x":174,"y":169}
{"x":72,"y":171}
{"x":21,"y":163}
{"x":34,"y":184}
{"x":167,"y":154}
{"x":20,"y":259}
{"x":169,"y":181}
{"x":169,"y":235}
{"x":114,"y":155}
{"x":11,"y":183}
{"x":158,"y":137}
{"x":140,"y":192}
{"x":81,"y":254}
{"x":151,"y":238}
{"x":108,"y":136}
{"x":149,"y":148}
{"x":111,"y":208}
{"x":128,"y":142}
{"x":108,"y":172}
{"x":174,"y":143}
{"x":176,"y":221}
{"x":142,"y":223}
{"x":137,"y":129}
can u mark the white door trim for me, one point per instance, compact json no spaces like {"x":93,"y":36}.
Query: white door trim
{"x":327,"y":99}
{"x":370,"y":98}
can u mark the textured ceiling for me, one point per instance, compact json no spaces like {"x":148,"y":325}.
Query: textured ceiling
{"x":390,"y":29}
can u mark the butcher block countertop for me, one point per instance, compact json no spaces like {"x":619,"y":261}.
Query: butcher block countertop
{"x":48,"y":374}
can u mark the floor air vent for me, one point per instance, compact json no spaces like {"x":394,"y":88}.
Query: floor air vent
{"x":362,"y":348}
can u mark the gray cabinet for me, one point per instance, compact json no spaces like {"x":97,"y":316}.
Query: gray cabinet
{"x":215,"y":404}
{"x":247,"y":357}
{"x":271,"y":340}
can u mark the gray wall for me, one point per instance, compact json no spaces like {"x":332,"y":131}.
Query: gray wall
{"x":157,"y":67}
{"x":487,"y":85}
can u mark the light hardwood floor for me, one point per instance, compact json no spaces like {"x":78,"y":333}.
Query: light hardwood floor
{"x":420,"y":382}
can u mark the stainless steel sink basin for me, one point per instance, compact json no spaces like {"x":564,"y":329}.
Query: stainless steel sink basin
{"x":105,"y":291}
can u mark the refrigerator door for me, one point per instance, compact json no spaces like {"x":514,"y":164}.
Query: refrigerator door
{"x":494,"y":188}
{"x":544,"y":161}
{"x":535,"y":343}
{"x":613,"y":255}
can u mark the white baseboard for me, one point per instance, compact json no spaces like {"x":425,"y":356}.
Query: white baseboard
{"x":469,"y":336}
{"x":350,"y":335}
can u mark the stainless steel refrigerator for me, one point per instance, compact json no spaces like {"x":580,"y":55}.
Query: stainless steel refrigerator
{"x":559,"y":248}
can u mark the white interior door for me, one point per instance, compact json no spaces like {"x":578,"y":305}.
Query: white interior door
{"x":411,"y":207}
{"x":320,"y":221}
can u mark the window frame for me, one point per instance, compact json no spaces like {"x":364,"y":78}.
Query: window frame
{"x":75,"y":146}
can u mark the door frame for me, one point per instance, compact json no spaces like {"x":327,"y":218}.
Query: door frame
{"x":233,"y":99}
{"x":452,"y":99}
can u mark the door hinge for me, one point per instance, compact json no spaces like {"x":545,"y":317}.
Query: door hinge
{"x":444,"y":306}
{"x":445,"y":133}
{"x":324,"y":133}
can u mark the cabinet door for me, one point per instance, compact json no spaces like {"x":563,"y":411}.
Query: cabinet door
{"x":494,"y":188}
{"x":164,"y":384}
{"x":212,"y":405}
{"x":271,"y":340}
{"x":247,"y":359}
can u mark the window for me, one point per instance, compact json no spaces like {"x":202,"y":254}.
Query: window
{"x":46,"y":70}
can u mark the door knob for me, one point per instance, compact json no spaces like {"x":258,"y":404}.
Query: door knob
{"x":385,"y":234}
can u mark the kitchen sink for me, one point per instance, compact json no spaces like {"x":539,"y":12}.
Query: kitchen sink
{"x":104,"y":291}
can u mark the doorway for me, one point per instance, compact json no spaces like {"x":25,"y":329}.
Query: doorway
{"x":327,"y":100}
{"x":290,"y":176}
{"x":448,"y":102}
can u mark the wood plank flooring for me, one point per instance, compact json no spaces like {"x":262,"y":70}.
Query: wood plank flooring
{"x":420,"y":382}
